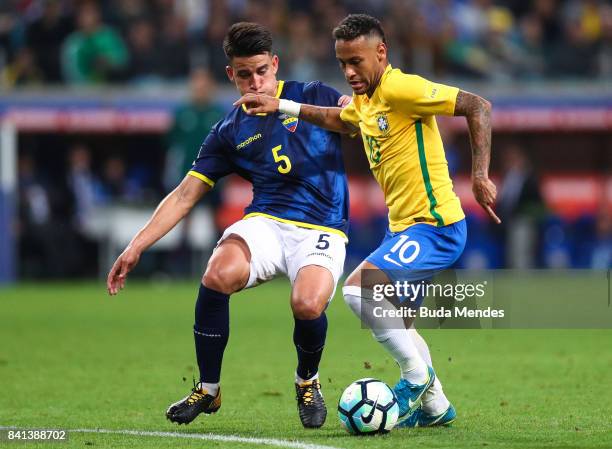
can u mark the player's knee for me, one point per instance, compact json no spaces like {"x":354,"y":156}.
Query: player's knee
{"x":224,"y":279}
{"x":352,"y":297}
{"x":353,"y":280}
{"x":307,"y":307}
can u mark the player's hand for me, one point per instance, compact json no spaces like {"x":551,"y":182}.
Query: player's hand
{"x":485,"y":193}
{"x":344,"y":101}
{"x":258,"y":103}
{"x":122,"y":266}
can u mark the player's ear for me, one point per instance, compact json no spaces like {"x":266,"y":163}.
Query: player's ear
{"x":274,"y":64}
{"x":381,"y":51}
{"x":229,"y":70}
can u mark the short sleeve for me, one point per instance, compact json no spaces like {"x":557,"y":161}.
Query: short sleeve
{"x":212,"y":162}
{"x":418,"y":97}
{"x":319,"y":94}
{"x":349,"y":114}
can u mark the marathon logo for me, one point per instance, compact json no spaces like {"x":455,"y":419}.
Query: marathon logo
{"x":250,"y":140}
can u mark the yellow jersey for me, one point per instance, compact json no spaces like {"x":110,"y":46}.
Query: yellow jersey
{"x":404,"y":147}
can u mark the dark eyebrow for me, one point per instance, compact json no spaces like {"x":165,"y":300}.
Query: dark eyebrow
{"x":245,"y":72}
{"x":352,"y":58}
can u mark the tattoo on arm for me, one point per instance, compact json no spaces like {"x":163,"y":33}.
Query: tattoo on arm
{"x":328,"y":118}
{"x":477,"y":112}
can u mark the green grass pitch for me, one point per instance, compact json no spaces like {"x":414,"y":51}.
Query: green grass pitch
{"x":73,"y":358}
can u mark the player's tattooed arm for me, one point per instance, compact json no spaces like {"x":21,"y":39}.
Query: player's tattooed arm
{"x":325,"y":117}
{"x":477,"y":112}
{"x":328,"y":118}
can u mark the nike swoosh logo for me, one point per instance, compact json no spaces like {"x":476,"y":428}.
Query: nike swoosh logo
{"x":411,"y":404}
{"x":388,"y":259}
{"x":366,"y":419}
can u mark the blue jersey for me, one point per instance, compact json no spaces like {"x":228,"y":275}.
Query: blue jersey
{"x":295,"y":167}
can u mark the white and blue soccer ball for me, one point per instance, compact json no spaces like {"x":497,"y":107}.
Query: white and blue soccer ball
{"x":368,"y":406}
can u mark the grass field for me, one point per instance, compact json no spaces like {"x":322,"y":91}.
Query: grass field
{"x":73,"y":358}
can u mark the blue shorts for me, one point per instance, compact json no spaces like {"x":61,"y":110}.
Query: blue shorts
{"x":420,"y":251}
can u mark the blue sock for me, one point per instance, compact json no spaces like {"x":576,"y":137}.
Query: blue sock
{"x":309,"y":339}
{"x":211,"y":332}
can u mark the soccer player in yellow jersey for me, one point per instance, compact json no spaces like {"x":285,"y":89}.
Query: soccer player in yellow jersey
{"x":395,"y":114}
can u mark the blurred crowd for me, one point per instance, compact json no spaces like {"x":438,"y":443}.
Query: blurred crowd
{"x":55,"y":211}
{"x":65,"y":184}
{"x":144,"y":41}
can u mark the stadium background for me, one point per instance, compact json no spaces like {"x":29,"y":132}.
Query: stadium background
{"x":99,"y":121}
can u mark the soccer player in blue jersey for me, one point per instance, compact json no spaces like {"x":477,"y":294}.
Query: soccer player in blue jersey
{"x":296,"y":224}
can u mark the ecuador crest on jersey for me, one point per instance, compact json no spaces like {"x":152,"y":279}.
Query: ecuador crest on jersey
{"x":290,"y":123}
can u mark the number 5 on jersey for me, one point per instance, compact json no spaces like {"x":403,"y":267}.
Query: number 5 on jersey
{"x":284,"y":166}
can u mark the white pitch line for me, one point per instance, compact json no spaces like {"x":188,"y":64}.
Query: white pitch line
{"x":199,"y":436}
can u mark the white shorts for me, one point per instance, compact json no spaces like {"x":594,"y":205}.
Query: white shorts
{"x":285,"y":248}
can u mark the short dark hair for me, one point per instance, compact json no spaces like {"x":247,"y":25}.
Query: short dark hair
{"x":355,"y":25}
{"x":247,"y":39}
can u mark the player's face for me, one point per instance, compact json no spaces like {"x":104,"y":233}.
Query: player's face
{"x":363,"y":61}
{"x":254,"y":74}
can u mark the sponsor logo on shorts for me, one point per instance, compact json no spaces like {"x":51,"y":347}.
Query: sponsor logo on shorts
{"x":321,"y":254}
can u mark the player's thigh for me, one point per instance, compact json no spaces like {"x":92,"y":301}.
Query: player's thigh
{"x":261,"y":239}
{"x":366,"y":275}
{"x":315,"y":262}
{"x":229,"y":266}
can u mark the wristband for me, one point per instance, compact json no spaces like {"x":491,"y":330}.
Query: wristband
{"x":289,"y":107}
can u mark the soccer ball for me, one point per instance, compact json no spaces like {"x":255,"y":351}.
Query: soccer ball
{"x":368,"y":406}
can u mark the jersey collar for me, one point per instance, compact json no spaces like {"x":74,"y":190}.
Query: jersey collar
{"x":279,"y":90}
{"x":385,"y":73}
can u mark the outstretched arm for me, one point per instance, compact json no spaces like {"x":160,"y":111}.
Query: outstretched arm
{"x":170,"y":211}
{"x":477,"y":112}
{"x":325,"y":117}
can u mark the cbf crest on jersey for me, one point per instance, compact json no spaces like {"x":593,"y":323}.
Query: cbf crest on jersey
{"x":383,"y":123}
{"x":290,"y":123}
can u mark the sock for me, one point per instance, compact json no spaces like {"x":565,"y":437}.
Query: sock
{"x":309,"y":339}
{"x":210,"y":388}
{"x":211,"y":332}
{"x":390,"y":333}
{"x":299,"y":380}
{"x":434,"y":401}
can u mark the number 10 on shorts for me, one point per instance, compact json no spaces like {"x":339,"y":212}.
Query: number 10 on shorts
{"x":405,"y":250}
